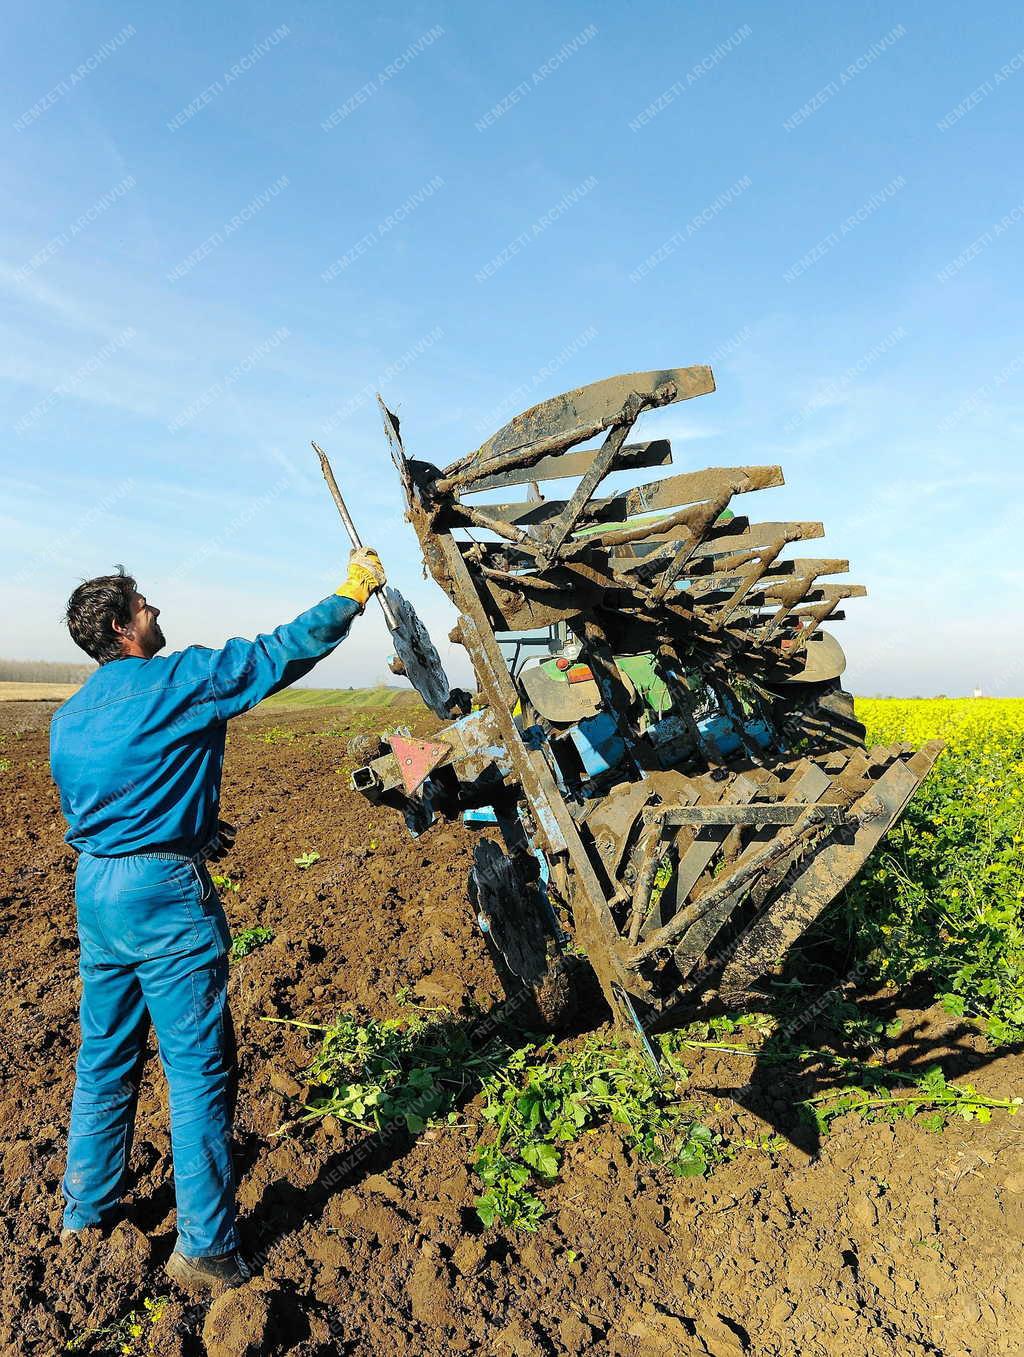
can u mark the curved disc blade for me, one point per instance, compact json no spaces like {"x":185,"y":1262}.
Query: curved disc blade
{"x":420,"y":659}
{"x":823,"y":659}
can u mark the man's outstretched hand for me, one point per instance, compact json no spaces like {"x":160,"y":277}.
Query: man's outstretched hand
{"x":365,"y":576}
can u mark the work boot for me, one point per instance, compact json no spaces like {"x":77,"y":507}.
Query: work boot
{"x":87,"y":1232}
{"x":223,"y":1270}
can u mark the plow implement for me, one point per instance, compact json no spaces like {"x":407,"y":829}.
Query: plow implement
{"x":660,"y":736}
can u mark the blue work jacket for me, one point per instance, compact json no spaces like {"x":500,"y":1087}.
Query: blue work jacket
{"x":137,"y":752}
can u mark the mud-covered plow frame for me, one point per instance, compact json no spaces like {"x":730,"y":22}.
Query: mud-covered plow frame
{"x":667,"y":567}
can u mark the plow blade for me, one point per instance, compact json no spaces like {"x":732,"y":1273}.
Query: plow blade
{"x":757,"y":857}
{"x":831,"y":869}
{"x":576,"y":416}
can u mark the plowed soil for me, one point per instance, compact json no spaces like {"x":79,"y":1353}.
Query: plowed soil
{"x":880,"y":1240}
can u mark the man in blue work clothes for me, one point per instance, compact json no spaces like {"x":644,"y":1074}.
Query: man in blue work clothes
{"x":137,"y":755}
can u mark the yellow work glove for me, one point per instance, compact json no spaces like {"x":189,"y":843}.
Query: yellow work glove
{"x":365,"y":576}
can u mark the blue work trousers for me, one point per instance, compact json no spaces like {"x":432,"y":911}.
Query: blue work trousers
{"x":154,"y":944}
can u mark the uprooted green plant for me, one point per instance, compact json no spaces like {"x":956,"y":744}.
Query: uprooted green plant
{"x":871,"y":1090}
{"x":386,"y":1072}
{"x":844,"y":1031}
{"x":418,"y":1068}
{"x":542,"y":1099}
{"x":930,"y":1092}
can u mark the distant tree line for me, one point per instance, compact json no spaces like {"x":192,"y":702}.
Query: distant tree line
{"x":43,"y":671}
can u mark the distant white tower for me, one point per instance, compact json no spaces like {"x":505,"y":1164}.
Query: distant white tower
{"x":978,"y":693}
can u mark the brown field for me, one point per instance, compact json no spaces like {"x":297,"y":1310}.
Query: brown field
{"x":881,"y":1240}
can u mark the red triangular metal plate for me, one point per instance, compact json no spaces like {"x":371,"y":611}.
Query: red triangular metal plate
{"x":416,"y":758}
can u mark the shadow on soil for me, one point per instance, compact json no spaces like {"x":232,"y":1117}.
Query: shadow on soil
{"x":816,"y":1019}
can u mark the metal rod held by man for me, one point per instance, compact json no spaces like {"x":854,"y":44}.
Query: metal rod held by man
{"x":350,"y":528}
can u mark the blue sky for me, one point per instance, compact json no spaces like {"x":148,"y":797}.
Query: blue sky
{"x":226,"y":226}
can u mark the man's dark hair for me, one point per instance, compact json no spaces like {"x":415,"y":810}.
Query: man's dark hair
{"x":93,"y":609}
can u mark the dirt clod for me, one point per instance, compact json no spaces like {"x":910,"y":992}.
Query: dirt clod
{"x":237,"y":1323}
{"x":469,"y":1256}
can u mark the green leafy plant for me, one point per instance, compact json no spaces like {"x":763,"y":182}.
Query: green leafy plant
{"x":406,"y":1071}
{"x":541,"y":1100}
{"x":305,"y":860}
{"x":872,"y":1090}
{"x":859,"y":1030}
{"x":836,"y":1019}
{"x":930,"y":1092}
{"x":662,"y":877}
{"x":415,"y":1070}
{"x":248,"y":940}
{"x":224,"y":883}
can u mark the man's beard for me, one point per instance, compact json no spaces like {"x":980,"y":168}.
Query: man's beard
{"x":155,"y":641}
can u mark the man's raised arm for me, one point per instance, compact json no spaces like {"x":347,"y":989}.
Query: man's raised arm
{"x":243,"y":673}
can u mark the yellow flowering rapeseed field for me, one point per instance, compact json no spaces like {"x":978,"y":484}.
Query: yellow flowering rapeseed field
{"x":943,"y":899}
